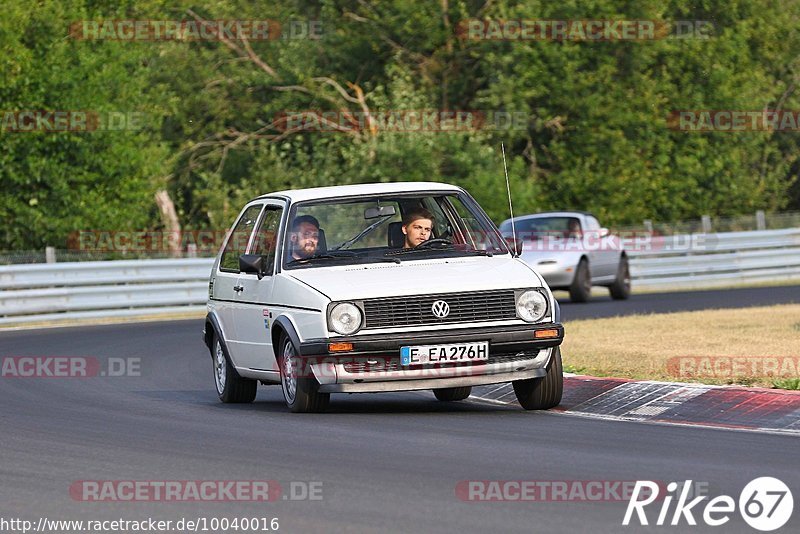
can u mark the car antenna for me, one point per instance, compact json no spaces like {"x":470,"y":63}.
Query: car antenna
{"x":514,"y":252}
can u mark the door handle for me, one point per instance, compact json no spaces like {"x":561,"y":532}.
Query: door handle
{"x":238,"y":288}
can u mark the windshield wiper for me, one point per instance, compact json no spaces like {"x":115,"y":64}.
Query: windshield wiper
{"x":385,"y":259}
{"x":363,"y":232}
{"x":324,"y":256}
{"x":441,"y":244}
{"x":479,"y":251}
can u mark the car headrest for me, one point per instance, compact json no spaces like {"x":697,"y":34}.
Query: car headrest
{"x":396,"y":236}
{"x":322,"y":245}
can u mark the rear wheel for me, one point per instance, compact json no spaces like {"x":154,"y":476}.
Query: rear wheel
{"x":544,"y":392}
{"x":621,"y":288}
{"x":581,"y":288}
{"x":453,"y":394}
{"x":301,"y":392}
{"x":231,"y":388}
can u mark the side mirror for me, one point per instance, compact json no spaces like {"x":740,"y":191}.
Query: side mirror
{"x":253,"y":263}
{"x":604,"y":232}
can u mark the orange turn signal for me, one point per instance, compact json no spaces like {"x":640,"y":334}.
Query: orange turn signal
{"x":550,"y":332}
{"x":339,"y":347}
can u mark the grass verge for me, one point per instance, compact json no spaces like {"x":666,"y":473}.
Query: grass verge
{"x":757,"y":346}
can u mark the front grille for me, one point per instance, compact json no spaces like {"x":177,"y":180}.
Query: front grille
{"x":464,"y":307}
{"x":391,"y":363}
{"x":373,"y":366}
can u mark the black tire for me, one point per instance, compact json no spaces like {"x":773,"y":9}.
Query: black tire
{"x":581,"y":288}
{"x":545,"y":392}
{"x":231,"y":388}
{"x":300,"y":392}
{"x":453,"y":394}
{"x":621,"y":288}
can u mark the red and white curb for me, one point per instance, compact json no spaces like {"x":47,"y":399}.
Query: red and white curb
{"x":756,"y":409}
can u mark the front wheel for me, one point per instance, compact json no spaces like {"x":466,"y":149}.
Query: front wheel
{"x":453,"y":394}
{"x":300,"y":392}
{"x":231,"y":388}
{"x":544,"y":392}
{"x":621,"y":288}
{"x":581,"y":288}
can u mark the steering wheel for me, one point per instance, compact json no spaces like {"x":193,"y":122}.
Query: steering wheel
{"x":438,"y":242}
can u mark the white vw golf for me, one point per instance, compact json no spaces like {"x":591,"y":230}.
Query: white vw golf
{"x":377,"y":287}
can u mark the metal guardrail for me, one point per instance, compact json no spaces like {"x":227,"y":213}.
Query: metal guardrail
{"x":712,"y":260}
{"x":50,"y":291}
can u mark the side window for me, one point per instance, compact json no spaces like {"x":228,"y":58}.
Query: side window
{"x":267,"y":236}
{"x":469,"y":220}
{"x":237,"y":241}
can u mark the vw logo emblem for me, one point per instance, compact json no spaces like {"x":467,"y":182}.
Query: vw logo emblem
{"x":440,"y":309}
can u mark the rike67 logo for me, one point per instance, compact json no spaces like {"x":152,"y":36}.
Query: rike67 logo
{"x":765,"y":504}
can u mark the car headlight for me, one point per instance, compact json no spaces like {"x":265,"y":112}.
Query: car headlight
{"x":531,"y":306}
{"x":345,"y":318}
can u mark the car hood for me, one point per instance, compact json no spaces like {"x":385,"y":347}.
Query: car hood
{"x":533,"y":257}
{"x":446,"y":275}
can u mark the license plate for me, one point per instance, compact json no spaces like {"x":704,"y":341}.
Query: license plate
{"x":456,"y":352}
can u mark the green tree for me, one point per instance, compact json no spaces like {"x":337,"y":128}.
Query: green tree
{"x":56,"y":183}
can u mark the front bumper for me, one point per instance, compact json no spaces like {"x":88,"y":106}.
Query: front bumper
{"x":374,"y":362}
{"x":502,"y":339}
{"x":444,"y":378}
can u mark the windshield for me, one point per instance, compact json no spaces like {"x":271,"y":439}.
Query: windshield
{"x":532,"y":229}
{"x":388,"y":228}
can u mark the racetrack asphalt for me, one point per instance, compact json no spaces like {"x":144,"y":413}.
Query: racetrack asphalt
{"x":387,"y":463}
{"x":601,"y":305}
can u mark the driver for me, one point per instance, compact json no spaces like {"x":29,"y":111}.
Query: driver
{"x":417,"y":227}
{"x":574,"y":229}
{"x":304,"y":237}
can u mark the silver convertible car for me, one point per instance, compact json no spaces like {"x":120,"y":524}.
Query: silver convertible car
{"x":572,"y":252}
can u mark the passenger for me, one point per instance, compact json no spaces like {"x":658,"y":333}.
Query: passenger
{"x":417,"y":227}
{"x":304,"y":237}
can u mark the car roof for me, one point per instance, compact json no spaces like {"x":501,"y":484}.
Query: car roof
{"x":550,"y":214}
{"x":313,"y":193}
